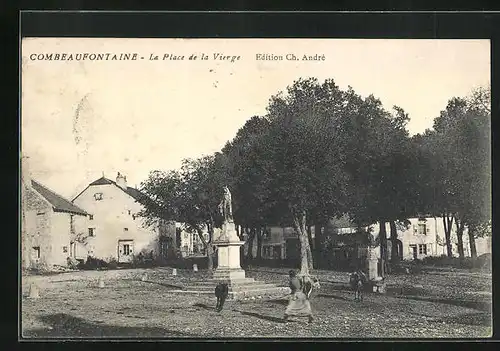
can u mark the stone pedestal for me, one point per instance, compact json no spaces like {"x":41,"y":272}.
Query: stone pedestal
{"x":228,"y":254}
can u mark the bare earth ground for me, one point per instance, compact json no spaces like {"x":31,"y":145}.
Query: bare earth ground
{"x":449,"y":304}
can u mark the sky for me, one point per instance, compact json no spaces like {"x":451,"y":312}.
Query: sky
{"x":83,"y":119}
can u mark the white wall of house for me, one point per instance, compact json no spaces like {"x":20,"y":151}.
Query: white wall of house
{"x":113,"y":220}
{"x":37,"y":248}
{"x":427,"y":237}
{"x":47,"y":233}
{"x":60,"y":237}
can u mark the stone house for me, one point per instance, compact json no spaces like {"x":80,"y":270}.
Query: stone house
{"x":46,"y":226}
{"x":113,"y":229}
{"x":425,"y":237}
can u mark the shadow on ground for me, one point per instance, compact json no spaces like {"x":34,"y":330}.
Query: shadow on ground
{"x":330,"y":296}
{"x":64,"y":325}
{"x":477,"y":305}
{"x":204,"y":306}
{"x":261,"y":316}
{"x":169,"y":286}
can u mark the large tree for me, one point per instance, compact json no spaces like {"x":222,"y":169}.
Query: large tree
{"x":463,"y":143}
{"x":244,"y":157}
{"x":455,"y":177}
{"x":379,"y":162}
{"x":304,"y":152}
{"x":190,"y":196}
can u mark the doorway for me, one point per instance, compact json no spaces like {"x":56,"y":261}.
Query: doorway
{"x":414,"y":251}
{"x":125,"y":251}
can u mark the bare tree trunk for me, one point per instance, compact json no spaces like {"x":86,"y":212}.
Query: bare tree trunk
{"x":395,"y":254}
{"x":472,"y":241}
{"x":383,"y":248}
{"x":310,"y":259}
{"x":310,"y":262}
{"x":208,"y":246}
{"x":251,"y":237}
{"x":318,"y":250}
{"x":299,"y":222}
{"x":460,"y":232}
{"x":259,"y":242}
{"x":448,"y":222}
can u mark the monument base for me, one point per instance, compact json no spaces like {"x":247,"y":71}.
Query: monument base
{"x":377,"y":286}
{"x":229,"y":274}
{"x":245,"y":288}
{"x":229,"y":271}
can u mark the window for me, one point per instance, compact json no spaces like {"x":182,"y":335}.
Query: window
{"x":422,"y":229}
{"x":422,"y":249}
{"x":125,"y":229}
{"x":65,"y":249}
{"x":98,"y":196}
{"x":91,"y":231}
{"x":35,"y":253}
{"x":91,"y":217}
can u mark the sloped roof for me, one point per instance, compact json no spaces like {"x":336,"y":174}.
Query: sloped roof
{"x":102,"y":181}
{"x":134,"y":193}
{"x":59,"y":203}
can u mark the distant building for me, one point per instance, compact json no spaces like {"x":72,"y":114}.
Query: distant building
{"x":114,"y":230}
{"x":47,"y":224}
{"x":190,"y":243}
{"x":425,"y":236}
{"x":346,"y":244}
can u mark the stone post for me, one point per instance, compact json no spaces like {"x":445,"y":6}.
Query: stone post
{"x":376,"y":282}
{"x":372,"y":261}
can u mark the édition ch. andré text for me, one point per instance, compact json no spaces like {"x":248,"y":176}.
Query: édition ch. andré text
{"x":289,"y":57}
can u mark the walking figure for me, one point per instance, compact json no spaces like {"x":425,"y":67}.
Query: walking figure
{"x":299,"y":304}
{"x":357,"y":280}
{"x":221,"y":292}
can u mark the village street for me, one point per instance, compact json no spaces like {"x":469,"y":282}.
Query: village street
{"x":450,"y":304}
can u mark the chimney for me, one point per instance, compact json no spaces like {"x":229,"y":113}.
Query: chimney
{"x":121,"y":181}
{"x":25,"y":171}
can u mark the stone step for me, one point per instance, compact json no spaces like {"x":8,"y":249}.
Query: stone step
{"x":214,"y":282}
{"x":254,"y":286}
{"x":262,"y":293}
